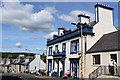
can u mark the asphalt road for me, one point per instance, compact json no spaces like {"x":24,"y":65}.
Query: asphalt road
{"x":9,"y":76}
{"x":21,"y":76}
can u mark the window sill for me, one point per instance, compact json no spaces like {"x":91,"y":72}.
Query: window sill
{"x":96,"y":65}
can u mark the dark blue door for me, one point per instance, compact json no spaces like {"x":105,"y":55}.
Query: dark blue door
{"x":50,"y":65}
{"x":74,"y":66}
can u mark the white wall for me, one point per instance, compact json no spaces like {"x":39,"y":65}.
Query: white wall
{"x":84,"y":20}
{"x":104,"y":26}
{"x":118,"y":58}
{"x":17,"y":68}
{"x":60,"y":32}
{"x":38,"y":63}
{"x":104,"y":57}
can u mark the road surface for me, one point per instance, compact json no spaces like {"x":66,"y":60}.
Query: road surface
{"x":10,"y":76}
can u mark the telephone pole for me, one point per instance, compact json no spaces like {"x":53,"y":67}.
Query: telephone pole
{"x":82,"y":54}
{"x":85,"y":30}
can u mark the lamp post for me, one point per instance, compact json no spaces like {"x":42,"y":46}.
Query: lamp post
{"x":82,"y":54}
{"x":80,"y":27}
{"x":85,"y":30}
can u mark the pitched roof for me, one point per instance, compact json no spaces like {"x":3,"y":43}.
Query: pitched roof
{"x":108,"y":42}
{"x":92,"y":23}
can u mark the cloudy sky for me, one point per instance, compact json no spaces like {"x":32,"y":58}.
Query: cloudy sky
{"x":27,"y":25}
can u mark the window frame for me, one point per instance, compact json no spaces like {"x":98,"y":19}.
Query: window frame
{"x":98,"y":58}
{"x":56,"y":48}
{"x":74,"y":45}
{"x":63,"y":47}
{"x":114,"y":57}
{"x":50,"y":51}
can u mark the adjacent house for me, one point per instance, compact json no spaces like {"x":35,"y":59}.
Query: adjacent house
{"x":21,"y":62}
{"x":106,"y":48}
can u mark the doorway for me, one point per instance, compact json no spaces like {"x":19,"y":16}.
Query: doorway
{"x":114,"y":57}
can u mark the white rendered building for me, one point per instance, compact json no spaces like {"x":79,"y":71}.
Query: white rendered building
{"x":100,"y":54}
{"x":38,"y":63}
{"x":64,"y":50}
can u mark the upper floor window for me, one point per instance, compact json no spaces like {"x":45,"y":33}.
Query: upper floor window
{"x":96,"y":59}
{"x":50,"y":51}
{"x":74,"y":46}
{"x":56,"y":48}
{"x":64,"y":47}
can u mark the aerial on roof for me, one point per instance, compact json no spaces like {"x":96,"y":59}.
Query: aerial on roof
{"x":108,"y":42}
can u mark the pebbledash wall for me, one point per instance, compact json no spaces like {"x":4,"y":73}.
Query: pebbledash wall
{"x":61,"y":52}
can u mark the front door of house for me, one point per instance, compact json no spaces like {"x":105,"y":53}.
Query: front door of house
{"x":50,"y":65}
{"x":74,"y":66}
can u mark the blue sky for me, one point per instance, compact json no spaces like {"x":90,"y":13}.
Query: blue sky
{"x":28,"y":25}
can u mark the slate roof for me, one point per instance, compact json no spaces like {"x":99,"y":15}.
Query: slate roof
{"x":108,"y":42}
{"x":92,"y":23}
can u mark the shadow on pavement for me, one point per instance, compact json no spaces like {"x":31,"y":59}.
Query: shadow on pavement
{"x":10,"y":78}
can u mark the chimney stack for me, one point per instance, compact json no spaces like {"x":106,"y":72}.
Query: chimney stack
{"x":60,"y":31}
{"x":83,"y":18}
{"x":103,"y":13}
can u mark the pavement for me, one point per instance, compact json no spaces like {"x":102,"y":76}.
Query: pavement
{"x":108,"y":77}
{"x":22,"y":76}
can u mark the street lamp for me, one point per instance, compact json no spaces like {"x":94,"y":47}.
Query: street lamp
{"x":85,"y":30}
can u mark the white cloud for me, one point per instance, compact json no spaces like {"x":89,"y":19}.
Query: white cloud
{"x":51,"y":9}
{"x":72,"y":16}
{"x":23,"y":17}
{"x":50,"y":36}
{"x":19,"y":45}
{"x":41,"y":49}
{"x":68,"y":18}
